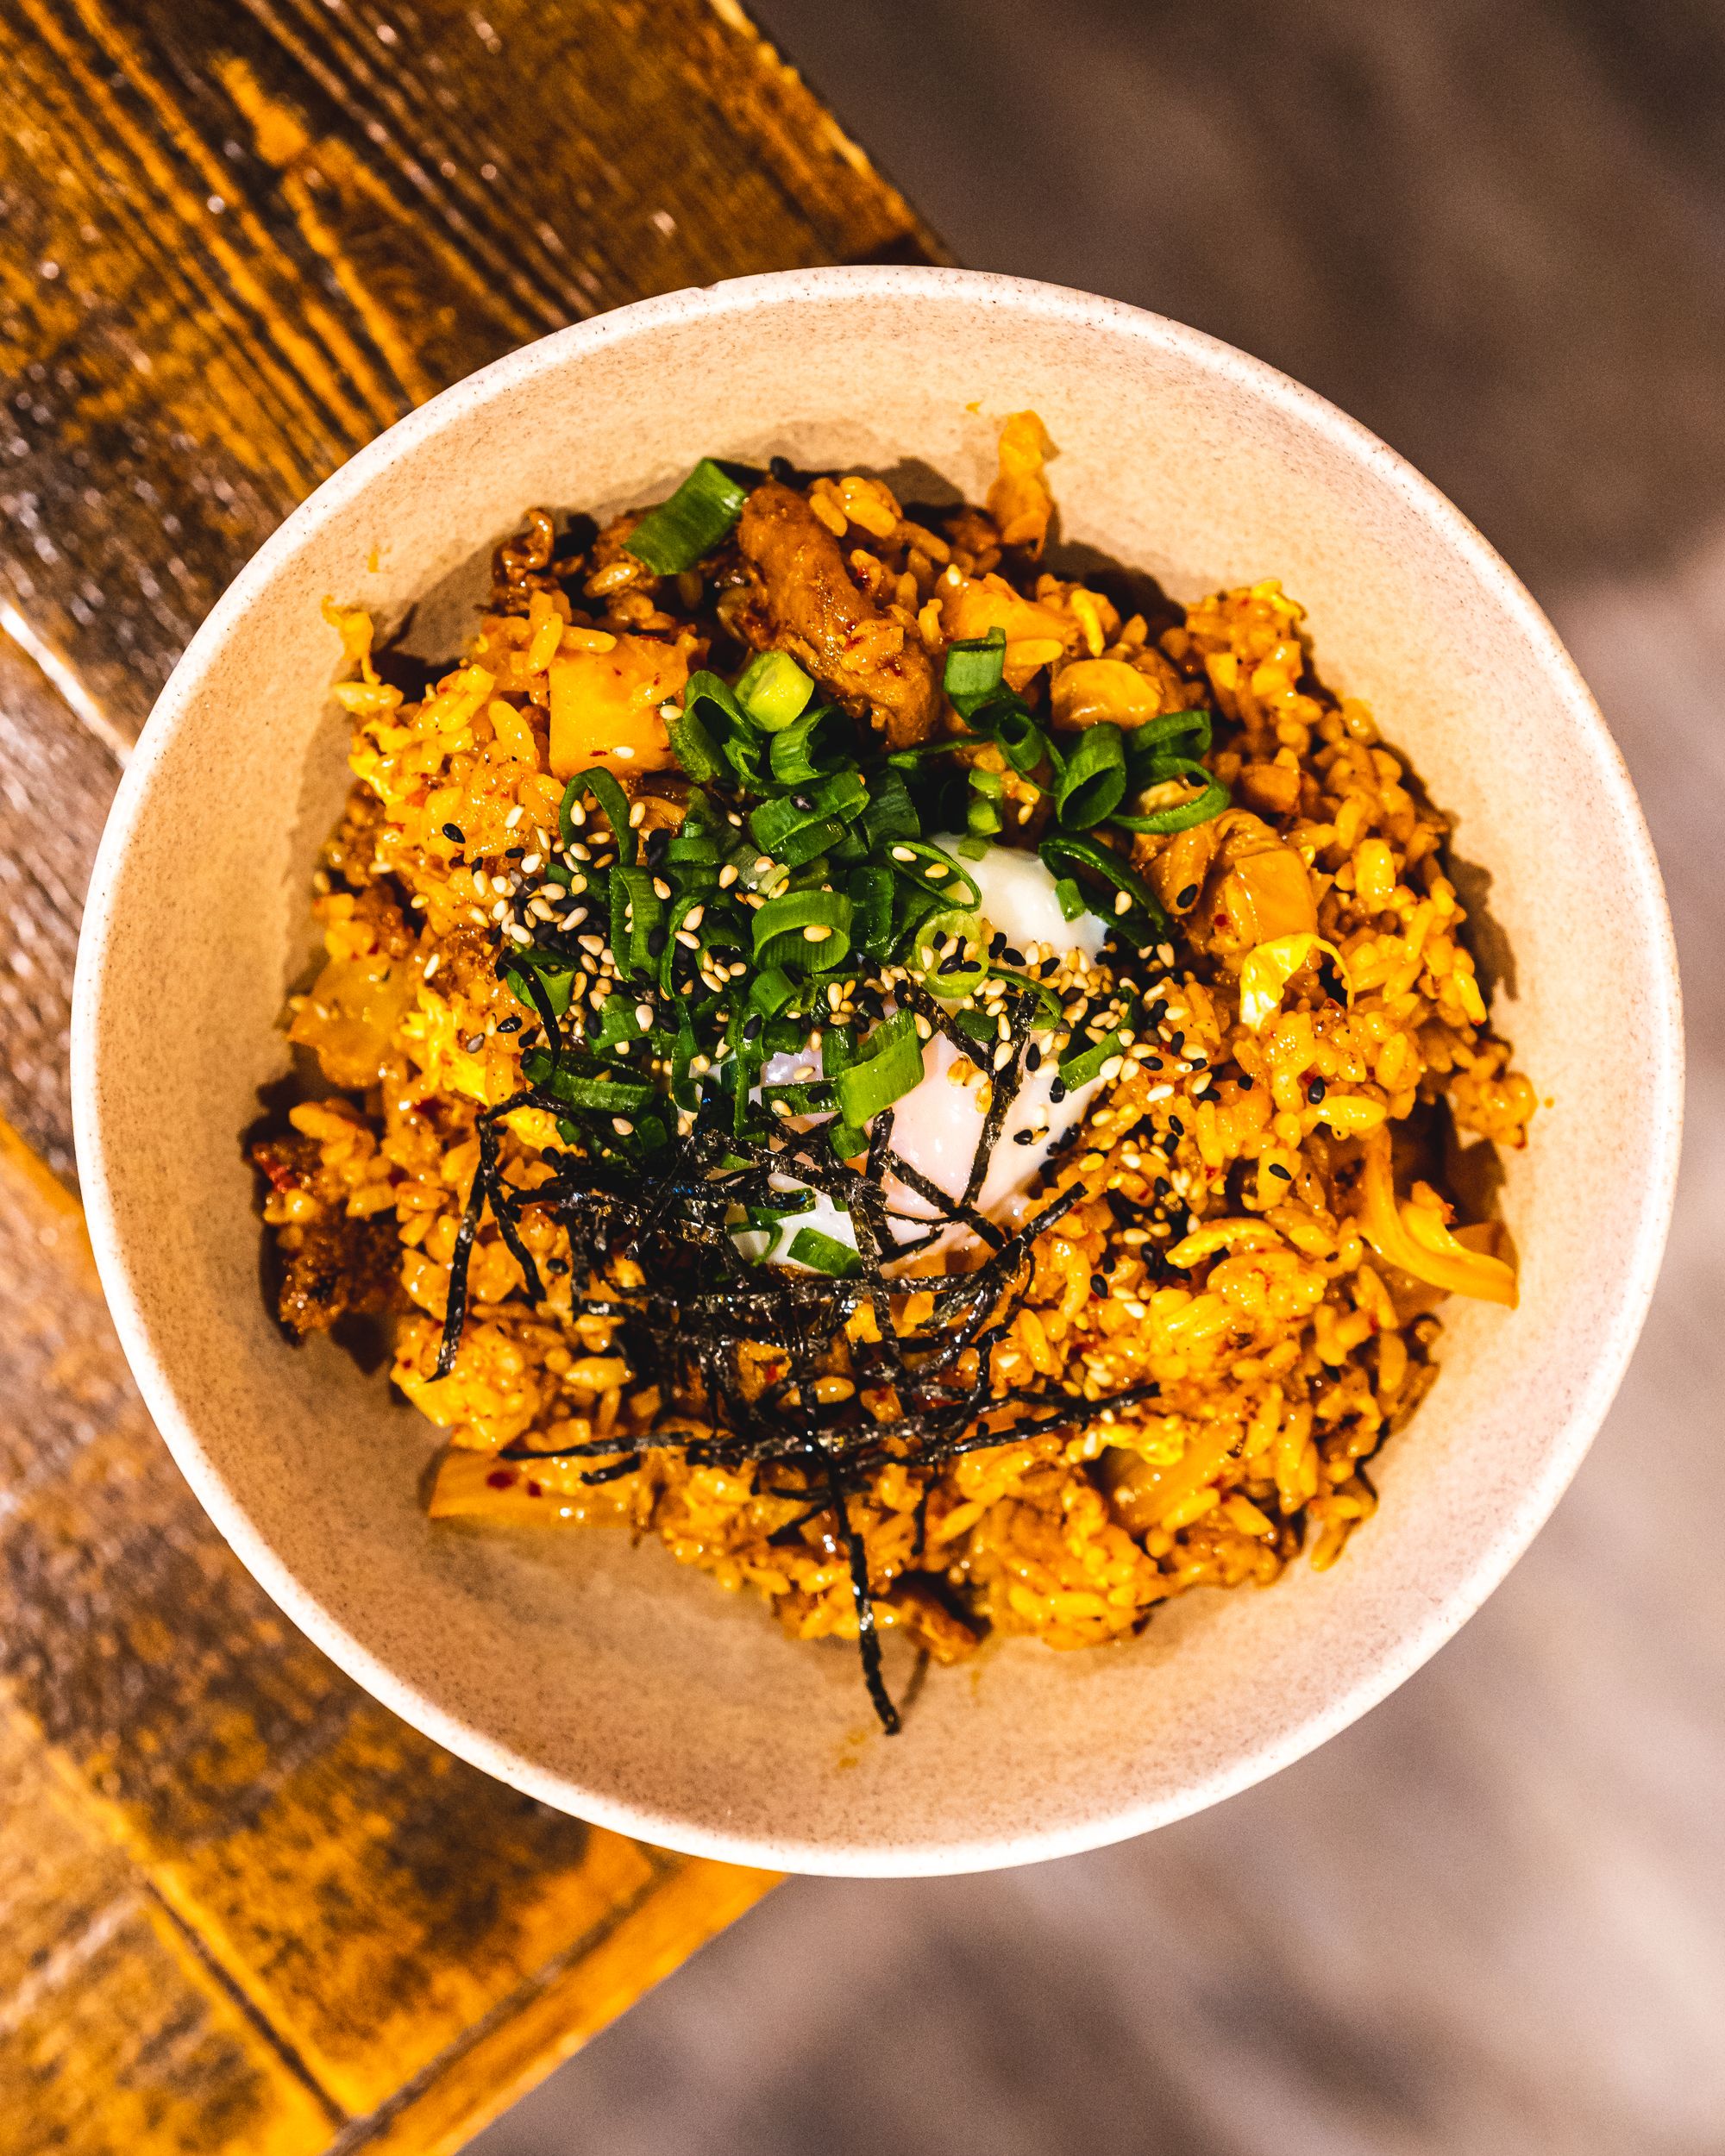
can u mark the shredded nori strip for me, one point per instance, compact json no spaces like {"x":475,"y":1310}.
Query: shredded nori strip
{"x":701,"y":1302}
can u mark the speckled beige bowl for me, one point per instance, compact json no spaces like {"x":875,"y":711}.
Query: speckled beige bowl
{"x":606,"y":1679}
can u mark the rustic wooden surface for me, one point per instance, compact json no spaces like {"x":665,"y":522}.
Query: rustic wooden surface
{"x":1489,"y":1920}
{"x":243,"y":1908}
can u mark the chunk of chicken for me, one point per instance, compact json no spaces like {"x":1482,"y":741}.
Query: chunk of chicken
{"x":1234,"y":881}
{"x":809,"y":607}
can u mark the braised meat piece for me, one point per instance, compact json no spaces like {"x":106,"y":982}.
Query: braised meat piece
{"x":806,"y":604}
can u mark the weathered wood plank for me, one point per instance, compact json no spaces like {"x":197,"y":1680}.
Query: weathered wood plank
{"x":383,"y":1911}
{"x":113,"y":2036}
{"x":243,"y":238}
{"x":56,"y":781}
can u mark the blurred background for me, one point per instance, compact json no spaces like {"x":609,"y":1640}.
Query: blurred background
{"x":1492,"y":1917}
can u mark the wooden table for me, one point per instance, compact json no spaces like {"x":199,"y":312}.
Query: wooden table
{"x":242,"y":1908}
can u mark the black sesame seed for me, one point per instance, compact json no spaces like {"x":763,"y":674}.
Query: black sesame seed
{"x":510,"y":1025}
{"x":1013,"y":957}
{"x":1033,"y":1057}
{"x":1187,"y":896}
{"x":1098,"y":1285}
{"x":784,"y":471}
{"x":997,"y":943}
{"x":515,"y":853}
{"x":454,"y":834}
{"x":751,"y":1028}
{"x":493,"y":937}
{"x":1176,"y":1126}
{"x":1315,"y":1091}
{"x":956,"y":963}
{"x":1024,"y":1137}
{"x":1056,"y":1092}
{"x":1280,"y":1172}
{"x":474,"y":1043}
{"x":1246,"y":1081}
{"x":1152,"y":1062}
{"x":657,"y":940}
{"x":1176,"y":1042}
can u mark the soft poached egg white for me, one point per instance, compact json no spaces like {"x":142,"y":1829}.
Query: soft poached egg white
{"x":937,"y":1126}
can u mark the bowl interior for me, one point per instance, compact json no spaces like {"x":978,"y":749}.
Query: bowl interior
{"x":604,"y":1677}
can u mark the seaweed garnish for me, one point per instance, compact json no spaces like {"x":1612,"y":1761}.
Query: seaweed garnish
{"x":653,"y":1249}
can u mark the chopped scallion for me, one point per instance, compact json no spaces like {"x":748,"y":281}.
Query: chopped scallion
{"x":681,"y":531}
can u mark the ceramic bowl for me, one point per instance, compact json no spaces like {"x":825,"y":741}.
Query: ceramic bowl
{"x":603,"y":1678}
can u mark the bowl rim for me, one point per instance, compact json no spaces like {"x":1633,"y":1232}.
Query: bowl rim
{"x":1516,"y":1527}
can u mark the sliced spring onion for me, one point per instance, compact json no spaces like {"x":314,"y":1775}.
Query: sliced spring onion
{"x":891,"y":813}
{"x":1093,"y":782}
{"x":691,"y":744}
{"x":823,"y":1254}
{"x":773,"y":690}
{"x":934,"y":873}
{"x":610,"y":797}
{"x":890,"y":1067}
{"x":1070,"y":897}
{"x":555,"y":974}
{"x":1061,"y":852}
{"x":679,"y":532}
{"x":636,"y":911}
{"x":602,"y":1096}
{"x":944,"y":937}
{"x":811,"y":746}
{"x":871,"y":889}
{"x":972,"y":671}
{"x":1210,"y":799}
{"x":771,"y":989}
{"x":1008,"y":722}
{"x":1078,"y":1071}
{"x":781,"y":932}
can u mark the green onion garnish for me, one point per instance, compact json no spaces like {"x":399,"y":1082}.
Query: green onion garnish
{"x":943,"y":938}
{"x":972,"y":671}
{"x":891,"y":1066}
{"x":681,"y":531}
{"x":781,"y":930}
{"x":1061,"y":852}
{"x":773,"y":690}
{"x":1080,"y":1070}
{"x":823,"y":1254}
{"x":555,"y":974}
{"x":1093,"y":782}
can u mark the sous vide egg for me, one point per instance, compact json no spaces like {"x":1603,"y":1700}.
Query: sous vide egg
{"x":937,"y":1126}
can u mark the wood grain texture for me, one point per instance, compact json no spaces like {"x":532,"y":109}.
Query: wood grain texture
{"x":56,"y":781}
{"x":366,"y":1931}
{"x":242,"y":239}
{"x":246,"y":1909}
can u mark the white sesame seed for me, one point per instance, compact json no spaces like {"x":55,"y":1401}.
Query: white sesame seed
{"x":1110,"y":1070}
{"x":531,"y":865}
{"x":903,"y":853}
{"x":727,"y":876}
{"x":515,"y":931}
{"x":689,"y":941}
{"x":621,"y":1125}
{"x":500,"y":911}
{"x":592,"y":944}
{"x":514,"y":816}
{"x":637,"y":816}
{"x":1158,"y":1092}
{"x":643,"y":1016}
{"x":925,"y":1031}
{"x":937,"y":869}
{"x":419,"y":902}
{"x":574,"y":919}
{"x":481,"y":883}
{"x":433,"y":962}
{"x":623,"y":755}
{"x":692,"y":918}
{"x":1003,"y":1055}
{"x":815,"y":932}
{"x":661,"y":888}
{"x":1123,"y":902}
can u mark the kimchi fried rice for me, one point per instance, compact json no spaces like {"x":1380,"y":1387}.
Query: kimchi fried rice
{"x":938,"y":1089}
